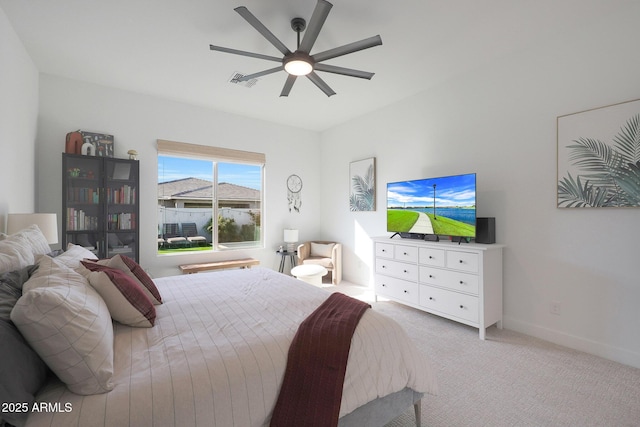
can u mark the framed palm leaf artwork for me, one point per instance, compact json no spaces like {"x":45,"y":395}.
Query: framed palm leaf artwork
{"x":599,"y":157}
{"x":362,"y":184}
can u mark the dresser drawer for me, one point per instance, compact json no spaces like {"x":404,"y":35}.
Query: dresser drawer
{"x":406,"y":253}
{"x":454,"y":280}
{"x":401,"y":270}
{"x":433,"y":257}
{"x":397,"y":289}
{"x":384,"y":250}
{"x":465,"y":261}
{"x":449,"y":302}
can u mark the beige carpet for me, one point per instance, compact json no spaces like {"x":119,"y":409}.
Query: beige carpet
{"x":511,"y":379}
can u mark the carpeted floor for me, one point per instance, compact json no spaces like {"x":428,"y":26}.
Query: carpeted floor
{"x":511,"y":379}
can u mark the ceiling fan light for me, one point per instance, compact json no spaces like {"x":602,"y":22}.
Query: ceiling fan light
{"x":298,"y":67}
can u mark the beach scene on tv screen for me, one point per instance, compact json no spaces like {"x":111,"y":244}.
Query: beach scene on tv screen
{"x":443,"y":206}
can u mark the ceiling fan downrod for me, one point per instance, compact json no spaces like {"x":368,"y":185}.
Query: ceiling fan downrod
{"x":298,"y":25}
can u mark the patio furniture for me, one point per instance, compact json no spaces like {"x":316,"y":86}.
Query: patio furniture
{"x":190,"y":232}
{"x":172,"y":236}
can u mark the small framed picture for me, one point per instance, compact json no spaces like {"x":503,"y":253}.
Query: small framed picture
{"x":102,"y":143}
{"x":121,"y":171}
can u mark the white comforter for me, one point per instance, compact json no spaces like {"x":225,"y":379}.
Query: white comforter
{"x":217,"y":355}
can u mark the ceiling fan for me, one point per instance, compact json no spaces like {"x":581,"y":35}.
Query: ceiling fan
{"x":301,"y":62}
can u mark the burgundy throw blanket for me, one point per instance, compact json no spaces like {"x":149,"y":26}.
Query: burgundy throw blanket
{"x":312,"y":388}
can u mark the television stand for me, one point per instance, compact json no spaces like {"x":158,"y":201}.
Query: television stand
{"x":460,"y":283}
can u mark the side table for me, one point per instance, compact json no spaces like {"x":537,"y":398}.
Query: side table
{"x":283,"y":257}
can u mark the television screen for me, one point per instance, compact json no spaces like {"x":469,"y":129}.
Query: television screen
{"x":444,"y":206}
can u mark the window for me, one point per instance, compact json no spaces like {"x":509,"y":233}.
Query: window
{"x":208,"y":198}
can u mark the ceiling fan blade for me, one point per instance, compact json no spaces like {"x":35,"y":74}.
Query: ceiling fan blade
{"x":244,"y":53}
{"x":320,"y":83}
{"x":260,"y":74}
{"x":291,"y":79}
{"x":348,"y":48}
{"x":255,"y":23}
{"x":344,"y":71}
{"x":316,"y":22}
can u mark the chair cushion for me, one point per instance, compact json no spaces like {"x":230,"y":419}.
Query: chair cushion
{"x":325,"y":262}
{"x":176,"y":239}
{"x":322,"y":250}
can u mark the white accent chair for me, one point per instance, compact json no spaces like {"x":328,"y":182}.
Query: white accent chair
{"x":324,"y":253}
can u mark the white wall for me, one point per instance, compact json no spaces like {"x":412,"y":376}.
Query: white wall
{"x":18,"y":116}
{"x":500,"y":122}
{"x":137,"y":121}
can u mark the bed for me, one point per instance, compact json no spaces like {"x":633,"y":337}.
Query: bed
{"x":217,"y":352}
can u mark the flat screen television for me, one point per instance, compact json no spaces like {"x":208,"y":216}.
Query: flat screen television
{"x":443,"y":206}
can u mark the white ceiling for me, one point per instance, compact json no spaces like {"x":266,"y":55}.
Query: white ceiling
{"x":161,"y":47}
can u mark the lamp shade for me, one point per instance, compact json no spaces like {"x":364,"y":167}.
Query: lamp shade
{"x":290,"y":236}
{"x":46,"y":222}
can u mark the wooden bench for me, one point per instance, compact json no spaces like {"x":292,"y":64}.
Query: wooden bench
{"x":218,"y":265}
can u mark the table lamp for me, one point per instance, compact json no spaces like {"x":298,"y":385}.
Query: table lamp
{"x":290,"y":238}
{"x":46,"y":222}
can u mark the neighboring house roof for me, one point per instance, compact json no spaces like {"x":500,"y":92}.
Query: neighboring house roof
{"x":195,"y":188}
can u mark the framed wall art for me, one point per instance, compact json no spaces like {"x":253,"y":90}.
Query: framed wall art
{"x":599,"y":157}
{"x":362,"y":184}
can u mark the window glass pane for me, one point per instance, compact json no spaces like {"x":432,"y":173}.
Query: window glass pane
{"x":239,"y":204}
{"x":187,"y":202}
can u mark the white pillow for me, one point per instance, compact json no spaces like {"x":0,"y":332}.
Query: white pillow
{"x":72,"y":256}
{"x":18,"y":250}
{"x":33,"y":237}
{"x":14,"y":257}
{"x":68,"y":324}
{"x":321,"y":249}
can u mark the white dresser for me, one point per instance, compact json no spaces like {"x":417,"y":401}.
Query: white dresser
{"x":462,"y":282}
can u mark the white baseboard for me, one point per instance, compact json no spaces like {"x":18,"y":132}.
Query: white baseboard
{"x":606,"y":351}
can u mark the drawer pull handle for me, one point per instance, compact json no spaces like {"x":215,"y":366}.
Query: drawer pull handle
{"x":384,"y":286}
{"x":430,"y":298}
{"x":384,"y":250}
{"x":461,"y":306}
{"x":384,"y":266}
{"x":430,"y":257}
{"x":461,"y":282}
{"x":405,"y":291}
{"x":431,"y":276}
{"x":461,"y":261}
{"x":405,"y":271}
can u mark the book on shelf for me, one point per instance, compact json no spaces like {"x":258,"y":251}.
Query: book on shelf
{"x":77,"y":220}
{"x":125,"y":195}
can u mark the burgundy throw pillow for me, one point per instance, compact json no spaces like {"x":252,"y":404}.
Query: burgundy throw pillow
{"x":127,"y":302}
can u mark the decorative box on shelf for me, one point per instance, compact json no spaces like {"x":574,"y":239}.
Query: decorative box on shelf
{"x":89,"y":144}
